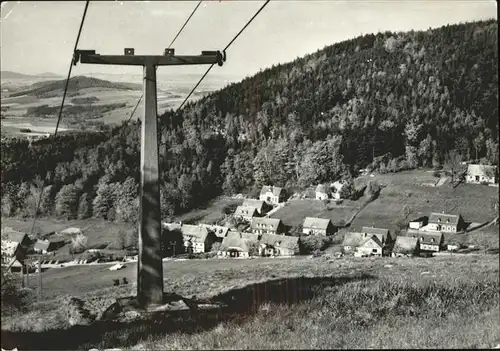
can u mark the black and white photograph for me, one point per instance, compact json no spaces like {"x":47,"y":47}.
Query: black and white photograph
{"x":249,"y":175}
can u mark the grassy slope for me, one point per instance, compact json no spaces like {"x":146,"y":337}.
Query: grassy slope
{"x":353,"y":303}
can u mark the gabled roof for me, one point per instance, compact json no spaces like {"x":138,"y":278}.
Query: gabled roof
{"x":41,"y":245}
{"x":194,"y":232}
{"x":12,"y":235}
{"x":405,"y":244}
{"x":273,"y":189}
{"x":354,"y":239}
{"x":286,"y":241}
{"x":258,"y":204}
{"x":427,"y":236}
{"x":237,"y":241}
{"x":171,"y":226}
{"x":270,"y":223}
{"x":371,"y":241}
{"x":381,"y":233}
{"x":218,"y":230}
{"x":316,"y":223}
{"x":481,"y":170}
{"x":245,"y":211}
{"x":444,"y":218}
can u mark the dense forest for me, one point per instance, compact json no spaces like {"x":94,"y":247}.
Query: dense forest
{"x":389,"y":101}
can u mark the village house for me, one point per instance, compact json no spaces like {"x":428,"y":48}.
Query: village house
{"x":318,"y":226}
{"x":383,"y":234}
{"x":45,"y":246}
{"x":352,"y":240}
{"x":322,"y":192}
{"x":70,"y":231}
{"x":428,"y":240}
{"x":418,"y":223}
{"x":219,"y":230}
{"x":444,"y":223}
{"x":337,"y":188}
{"x":405,"y":245}
{"x":197,"y":238}
{"x":245,"y":212}
{"x":261,"y":225}
{"x":278,"y":245}
{"x":14,"y":243}
{"x":237,"y":245}
{"x":370,"y":246}
{"x":478,"y":174}
{"x":259,"y":205}
{"x":272,"y":194}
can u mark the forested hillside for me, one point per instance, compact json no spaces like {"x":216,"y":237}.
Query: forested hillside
{"x":392,"y":100}
{"x":75,"y":85}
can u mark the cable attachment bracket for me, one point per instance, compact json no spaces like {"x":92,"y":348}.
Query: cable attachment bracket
{"x":221,"y":57}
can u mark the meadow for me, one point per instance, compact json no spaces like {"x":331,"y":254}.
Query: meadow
{"x":440,"y":302}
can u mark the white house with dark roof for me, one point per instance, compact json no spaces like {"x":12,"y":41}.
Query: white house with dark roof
{"x":428,"y":240}
{"x":245,"y":212}
{"x":318,"y":226}
{"x":443,"y":222}
{"x":262,"y":225}
{"x":352,"y":240}
{"x":478,"y":174}
{"x":14,"y":243}
{"x":272,"y":194}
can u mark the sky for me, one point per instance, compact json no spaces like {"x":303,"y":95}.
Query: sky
{"x":39,"y":36}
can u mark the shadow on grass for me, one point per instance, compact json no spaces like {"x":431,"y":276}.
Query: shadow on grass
{"x":241,"y":304}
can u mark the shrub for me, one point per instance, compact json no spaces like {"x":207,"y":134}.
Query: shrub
{"x":372,"y":190}
{"x":436,"y":174}
{"x":79,"y":243}
{"x":310,"y":243}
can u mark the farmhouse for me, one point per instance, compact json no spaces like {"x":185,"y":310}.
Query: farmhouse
{"x":259,"y":205}
{"x":322,"y":192}
{"x":45,"y":246}
{"x":272,"y":194}
{"x":405,"y":245}
{"x":237,"y":244}
{"x":352,"y":240}
{"x":428,"y":241}
{"x":14,"y":243}
{"x":444,"y":223}
{"x":337,"y":186}
{"x":197,"y":238}
{"x":370,"y":246}
{"x":267,"y":226}
{"x":245,"y":212}
{"x":383,"y":235}
{"x":478,"y":174}
{"x":278,"y":245}
{"x":218,"y":230}
{"x":317,"y":226}
{"x":418,"y":222}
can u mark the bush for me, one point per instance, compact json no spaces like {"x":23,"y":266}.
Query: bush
{"x":310,"y":243}
{"x":372,"y":190}
{"x":79,"y":243}
{"x":436,"y":174}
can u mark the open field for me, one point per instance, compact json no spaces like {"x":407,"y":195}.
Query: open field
{"x":98,"y":232}
{"x":294,"y":212}
{"x":473,"y":202}
{"x":440,"y":302}
{"x":212,"y":212}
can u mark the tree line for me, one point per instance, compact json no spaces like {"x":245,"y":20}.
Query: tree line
{"x":389,"y":101}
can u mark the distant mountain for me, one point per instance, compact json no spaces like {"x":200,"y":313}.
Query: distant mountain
{"x":14,"y":75}
{"x":48,"y":75}
{"x":54,"y":87}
